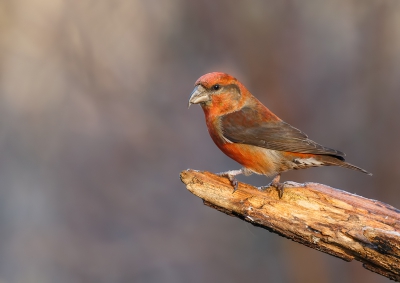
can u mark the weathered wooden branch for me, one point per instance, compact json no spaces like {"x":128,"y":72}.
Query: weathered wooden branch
{"x":323,"y":218}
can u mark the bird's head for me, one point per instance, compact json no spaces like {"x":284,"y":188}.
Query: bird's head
{"x":217,"y":91}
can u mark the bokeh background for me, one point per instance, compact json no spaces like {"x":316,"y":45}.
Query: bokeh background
{"x":94,"y":130}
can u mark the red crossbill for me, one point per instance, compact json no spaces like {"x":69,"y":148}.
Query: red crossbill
{"x":249,"y":133}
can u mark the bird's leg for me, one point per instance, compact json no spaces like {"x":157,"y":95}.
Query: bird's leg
{"x":275,"y":183}
{"x":231,"y":176}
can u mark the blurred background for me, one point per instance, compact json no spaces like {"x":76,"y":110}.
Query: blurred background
{"x":94,"y":131}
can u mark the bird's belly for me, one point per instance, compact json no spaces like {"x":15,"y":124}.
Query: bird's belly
{"x":259,"y":160}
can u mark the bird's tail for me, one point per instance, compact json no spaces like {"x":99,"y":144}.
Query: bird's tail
{"x":330,"y":160}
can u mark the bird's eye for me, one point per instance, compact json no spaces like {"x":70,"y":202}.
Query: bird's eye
{"x":216,"y":87}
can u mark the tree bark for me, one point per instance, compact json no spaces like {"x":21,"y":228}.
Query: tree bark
{"x":323,"y":218}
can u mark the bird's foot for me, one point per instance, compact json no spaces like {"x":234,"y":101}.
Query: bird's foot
{"x":231,"y":177}
{"x":276,"y":184}
{"x":279,"y":186}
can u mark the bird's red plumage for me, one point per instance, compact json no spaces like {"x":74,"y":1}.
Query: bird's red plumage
{"x":249,"y":133}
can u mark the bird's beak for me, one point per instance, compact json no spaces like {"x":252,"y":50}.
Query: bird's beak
{"x":199,"y":94}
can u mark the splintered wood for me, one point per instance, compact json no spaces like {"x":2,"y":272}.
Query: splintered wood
{"x":323,"y":218}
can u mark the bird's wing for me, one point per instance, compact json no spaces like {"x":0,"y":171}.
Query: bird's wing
{"x":247,"y":126}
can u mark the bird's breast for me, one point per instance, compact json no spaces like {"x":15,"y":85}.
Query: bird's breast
{"x":258,"y":160}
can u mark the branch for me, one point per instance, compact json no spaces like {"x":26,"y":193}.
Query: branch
{"x":320,"y":217}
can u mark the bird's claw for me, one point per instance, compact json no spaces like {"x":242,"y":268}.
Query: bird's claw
{"x":234,"y":183}
{"x":231,"y":179}
{"x":280,"y":187}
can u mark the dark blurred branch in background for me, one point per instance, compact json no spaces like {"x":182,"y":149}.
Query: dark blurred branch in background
{"x":320,"y":217}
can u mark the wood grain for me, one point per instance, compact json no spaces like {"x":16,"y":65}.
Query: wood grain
{"x":320,"y":217}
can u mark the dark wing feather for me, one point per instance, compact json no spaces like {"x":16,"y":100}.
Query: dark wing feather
{"x":244,"y":127}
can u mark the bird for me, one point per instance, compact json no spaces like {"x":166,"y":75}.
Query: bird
{"x":249,"y":133}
